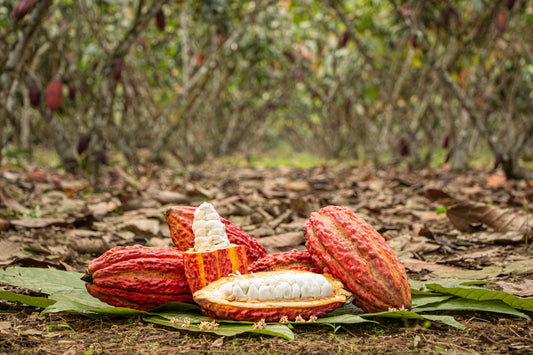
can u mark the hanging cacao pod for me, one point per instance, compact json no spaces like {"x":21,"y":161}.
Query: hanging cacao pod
{"x":54,"y":94}
{"x":22,"y":8}
{"x":138,"y":277}
{"x":34,"y":95}
{"x":160,"y":20}
{"x":346,"y":246}
{"x":180,"y":220}
{"x":272,"y":296}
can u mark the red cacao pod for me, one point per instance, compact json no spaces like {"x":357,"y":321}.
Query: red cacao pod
{"x":180,"y":219}
{"x":262,"y":296}
{"x":138,"y":277}
{"x":83,"y":142}
{"x":34,"y":95}
{"x":289,"y":260}
{"x":22,"y":8}
{"x":54,"y":94}
{"x":346,"y":246}
{"x":116,"y":70}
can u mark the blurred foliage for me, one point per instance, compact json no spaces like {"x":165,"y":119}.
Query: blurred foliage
{"x":387,"y":81}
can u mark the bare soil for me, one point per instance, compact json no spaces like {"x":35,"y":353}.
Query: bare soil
{"x":49,"y":219}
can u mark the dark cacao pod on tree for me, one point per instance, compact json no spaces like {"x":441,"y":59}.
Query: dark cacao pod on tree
{"x":22,"y":8}
{"x":34,"y":95}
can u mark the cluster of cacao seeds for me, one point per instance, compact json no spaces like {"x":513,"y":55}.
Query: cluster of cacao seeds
{"x":345,"y":260}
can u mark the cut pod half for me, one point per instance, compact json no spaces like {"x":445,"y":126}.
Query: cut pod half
{"x":272,"y":296}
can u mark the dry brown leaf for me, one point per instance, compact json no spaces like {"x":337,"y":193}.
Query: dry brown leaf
{"x":169,"y":197}
{"x":493,"y":237}
{"x":418,"y":266}
{"x":10,"y":202}
{"x":291,"y":239}
{"x":40,"y":222}
{"x":522,"y":289}
{"x":462,"y":215}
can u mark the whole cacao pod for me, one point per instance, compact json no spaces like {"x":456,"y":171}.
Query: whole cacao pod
{"x":22,"y":8}
{"x":346,"y":246}
{"x":180,"y":219}
{"x":138,"y":277}
{"x":160,"y":20}
{"x":289,"y":260}
{"x":272,"y":296}
{"x":34,"y":95}
{"x":54,"y":94}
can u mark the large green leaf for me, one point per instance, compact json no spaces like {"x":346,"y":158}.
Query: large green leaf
{"x":41,"y":302}
{"x":480,"y":294}
{"x":42,"y":280}
{"x":448,"y":320}
{"x":464,"y":304}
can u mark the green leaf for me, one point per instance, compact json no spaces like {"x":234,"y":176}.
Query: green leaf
{"x":42,"y":280}
{"x":41,"y":302}
{"x":448,"y":320}
{"x":423,"y":300}
{"x":228,"y":329}
{"x":342,"y":318}
{"x":481,"y":294}
{"x":464,"y":304}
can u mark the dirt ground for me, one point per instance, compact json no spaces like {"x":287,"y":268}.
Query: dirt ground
{"x":49,"y":219}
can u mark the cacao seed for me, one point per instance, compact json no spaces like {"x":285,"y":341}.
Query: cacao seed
{"x":180,"y":220}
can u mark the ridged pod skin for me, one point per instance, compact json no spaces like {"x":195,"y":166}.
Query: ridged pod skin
{"x":180,"y":219}
{"x":138,"y":277}
{"x":202,"y":268}
{"x":346,"y":246}
{"x":213,"y":305}
{"x":289,"y":260}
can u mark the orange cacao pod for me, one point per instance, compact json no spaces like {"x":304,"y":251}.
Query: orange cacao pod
{"x":346,"y":246}
{"x":54,"y":94}
{"x":272,"y":296}
{"x":289,"y":260}
{"x":138,"y":277}
{"x":180,"y":219}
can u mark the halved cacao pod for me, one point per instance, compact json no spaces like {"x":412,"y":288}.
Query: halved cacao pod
{"x":346,"y":246}
{"x":138,"y":277}
{"x":202,"y":268}
{"x":289,"y":260}
{"x":219,"y":299}
{"x":180,"y":219}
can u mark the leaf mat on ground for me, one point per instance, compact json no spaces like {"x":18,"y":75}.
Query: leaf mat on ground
{"x":67,"y":293}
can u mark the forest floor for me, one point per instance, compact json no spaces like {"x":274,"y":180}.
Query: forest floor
{"x":53,"y":220}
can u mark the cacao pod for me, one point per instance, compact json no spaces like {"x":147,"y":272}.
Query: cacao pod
{"x":202,"y":268}
{"x":346,"y":246}
{"x":54,"y":94}
{"x":180,"y":219}
{"x":34,"y":94}
{"x":116,"y":70}
{"x":22,"y":8}
{"x":271,"y":296}
{"x":160,"y":20}
{"x":138,"y":277}
{"x":289,"y":260}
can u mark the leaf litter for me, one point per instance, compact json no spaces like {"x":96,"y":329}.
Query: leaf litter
{"x":52,"y":220}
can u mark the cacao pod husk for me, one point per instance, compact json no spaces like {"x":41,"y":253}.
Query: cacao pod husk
{"x":138,"y":277}
{"x":289,"y":260}
{"x":54,"y":94}
{"x":346,"y":246}
{"x":180,"y":219}
{"x":202,"y":268}
{"x":215,"y":305}
{"x":22,"y":8}
{"x":83,"y":142}
{"x":34,"y":95}
{"x":160,"y":20}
